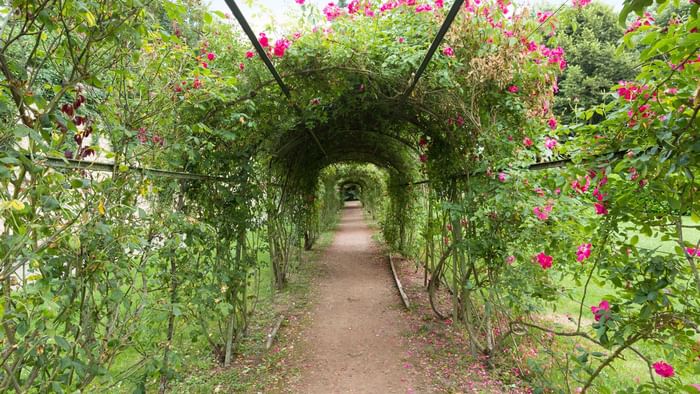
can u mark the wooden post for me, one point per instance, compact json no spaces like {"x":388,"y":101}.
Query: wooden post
{"x":273,"y":333}
{"x":404,"y":297}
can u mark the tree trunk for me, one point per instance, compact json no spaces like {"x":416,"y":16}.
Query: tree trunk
{"x":308,"y":240}
{"x":171,"y":328}
{"x":230,"y":329}
{"x":173,"y":299}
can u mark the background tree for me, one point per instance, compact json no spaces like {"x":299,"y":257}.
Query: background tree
{"x":590,"y":38}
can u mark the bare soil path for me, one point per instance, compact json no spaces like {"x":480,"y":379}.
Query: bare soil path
{"x":354,"y":341}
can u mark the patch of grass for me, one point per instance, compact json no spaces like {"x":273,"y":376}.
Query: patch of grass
{"x":655,"y":242}
{"x":631,"y":370}
{"x":254,"y":368}
{"x":257,"y":369}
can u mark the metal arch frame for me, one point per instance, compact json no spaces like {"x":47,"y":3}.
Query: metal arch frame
{"x":293,"y":143}
{"x":266,"y":59}
{"x":454,"y":10}
{"x":398,"y":139}
{"x":97,"y":166}
{"x":381,"y":161}
{"x":451,"y":15}
{"x":545,"y":165}
{"x":350,"y":181}
{"x":341,"y":185}
{"x":372,"y":153}
{"x":358,"y":157}
{"x":258,"y":48}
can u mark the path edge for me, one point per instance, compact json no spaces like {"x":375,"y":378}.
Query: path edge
{"x":404,"y":297}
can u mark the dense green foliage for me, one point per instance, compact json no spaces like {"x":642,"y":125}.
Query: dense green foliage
{"x":106,"y":260}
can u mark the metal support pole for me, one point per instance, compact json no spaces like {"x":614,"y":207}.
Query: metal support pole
{"x":72,"y":164}
{"x":259,"y":48}
{"x":434,"y":46}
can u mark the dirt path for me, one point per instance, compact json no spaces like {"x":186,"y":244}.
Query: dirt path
{"x":354,"y":342}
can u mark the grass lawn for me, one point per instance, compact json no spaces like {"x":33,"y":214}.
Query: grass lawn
{"x":632,"y":369}
{"x":689,"y":234}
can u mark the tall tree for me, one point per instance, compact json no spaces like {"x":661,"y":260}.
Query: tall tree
{"x":590,"y":38}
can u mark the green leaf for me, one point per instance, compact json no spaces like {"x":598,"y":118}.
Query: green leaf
{"x":652,"y":296}
{"x":78,"y":183}
{"x":62,"y":343}
{"x":9,"y":160}
{"x":690,"y":389}
{"x":90,"y":19}
{"x":56,"y":387}
{"x":694,"y":217}
{"x":74,"y":242}
{"x":600,"y":332}
{"x":21,"y":131}
{"x":582,"y":358}
{"x":176,"y":310}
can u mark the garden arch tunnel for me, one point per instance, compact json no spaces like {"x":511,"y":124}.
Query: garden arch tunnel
{"x":363,"y":107}
{"x":302,"y":155}
{"x":350,"y":190}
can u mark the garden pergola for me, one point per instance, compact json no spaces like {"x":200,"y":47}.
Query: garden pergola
{"x":450,"y":120}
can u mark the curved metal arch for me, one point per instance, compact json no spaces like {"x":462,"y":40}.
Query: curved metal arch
{"x":363,"y":180}
{"x":359,"y":182}
{"x":335,"y":157}
{"x":380,"y":150}
{"x":302,"y":139}
{"x":401,"y":99}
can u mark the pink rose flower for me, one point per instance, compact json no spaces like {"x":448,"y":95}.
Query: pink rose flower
{"x":603,"y":309}
{"x":264,"y":41}
{"x":550,"y":143}
{"x":600,"y":209}
{"x":542,"y":213}
{"x":281,"y":46}
{"x":583,"y":252}
{"x":544,"y":260}
{"x":663,"y":369}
